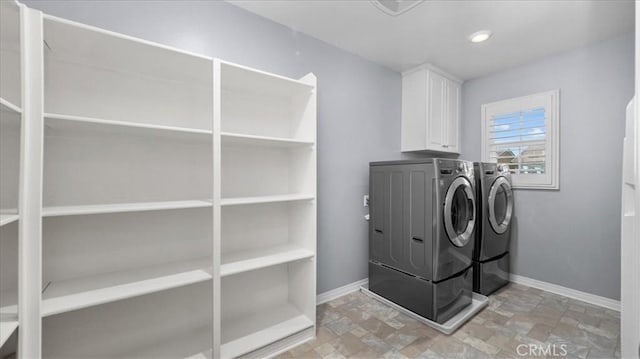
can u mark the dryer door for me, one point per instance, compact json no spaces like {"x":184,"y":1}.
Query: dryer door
{"x":500,"y":203}
{"x":459,"y":212}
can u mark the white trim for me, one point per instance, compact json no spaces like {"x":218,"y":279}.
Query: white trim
{"x":514,"y":278}
{"x":435,"y":69}
{"x":340,"y":291}
{"x":567,"y":292}
{"x":284,"y":345}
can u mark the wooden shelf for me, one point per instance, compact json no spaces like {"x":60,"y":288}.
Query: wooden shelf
{"x":244,"y":261}
{"x":229,"y":138}
{"x":236,"y":201}
{"x":8,"y":325}
{"x":121,"y":208}
{"x":73,"y":294}
{"x":8,"y":218}
{"x":255,"y":331}
{"x":240,"y":78}
{"x":82,"y":124}
{"x":7,"y":106}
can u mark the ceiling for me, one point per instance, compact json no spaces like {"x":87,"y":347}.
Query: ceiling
{"x":437,"y":31}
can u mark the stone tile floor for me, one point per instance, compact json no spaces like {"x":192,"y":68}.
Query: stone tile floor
{"x":357,"y":326}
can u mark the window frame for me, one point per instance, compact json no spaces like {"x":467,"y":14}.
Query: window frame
{"x":550,"y":100}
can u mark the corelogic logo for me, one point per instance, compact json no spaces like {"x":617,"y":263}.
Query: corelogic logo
{"x":542,"y":350}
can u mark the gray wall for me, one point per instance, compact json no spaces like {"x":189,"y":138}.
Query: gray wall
{"x":569,"y":237}
{"x":358,"y":102}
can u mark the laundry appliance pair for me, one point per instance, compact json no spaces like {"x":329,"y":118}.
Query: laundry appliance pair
{"x":422,"y":235}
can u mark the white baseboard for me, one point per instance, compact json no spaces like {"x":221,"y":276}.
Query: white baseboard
{"x":340,"y":291}
{"x":567,"y":292}
{"x":518,"y":279}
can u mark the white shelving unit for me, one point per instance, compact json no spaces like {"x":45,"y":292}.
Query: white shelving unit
{"x":10,"y":151}
{"x":156,"y":187}
{"x":127,"y":215}
{"x":268,"y":209}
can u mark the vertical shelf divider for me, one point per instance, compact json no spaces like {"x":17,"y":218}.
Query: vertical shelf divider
{"x":30,"y":197}
{"x":311,"y":113}
{"x":217,"y":196}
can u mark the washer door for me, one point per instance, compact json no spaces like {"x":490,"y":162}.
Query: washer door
{"x":500,"y":203}
{"x":459,"y":212}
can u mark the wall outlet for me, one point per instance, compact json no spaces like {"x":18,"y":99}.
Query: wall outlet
{"x":365,"y":200}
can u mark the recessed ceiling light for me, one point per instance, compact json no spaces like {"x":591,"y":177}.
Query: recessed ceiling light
{"x":480,"y":36}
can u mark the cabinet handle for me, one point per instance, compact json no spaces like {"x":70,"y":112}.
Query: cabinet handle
{"x":378,"y":231}
{"x":417,"y":239}
{"x":445,"y":146}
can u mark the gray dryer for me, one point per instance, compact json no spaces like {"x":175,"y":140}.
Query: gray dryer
{"x":495,"y":213}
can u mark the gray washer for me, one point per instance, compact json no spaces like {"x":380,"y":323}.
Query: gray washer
{"x":421,"y":235}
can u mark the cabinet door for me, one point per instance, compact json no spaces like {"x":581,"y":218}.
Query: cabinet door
{"x":436,"y":119}
{"x":453,"y":117}
{"x":414,"y":111}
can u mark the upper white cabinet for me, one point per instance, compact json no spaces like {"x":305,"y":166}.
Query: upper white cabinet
{"x":430,"y":110}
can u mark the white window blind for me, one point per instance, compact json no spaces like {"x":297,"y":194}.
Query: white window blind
{"x":521,"y":133}
{"x":518,"y":139}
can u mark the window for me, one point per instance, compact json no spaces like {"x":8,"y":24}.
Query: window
{"x":522,"y":133}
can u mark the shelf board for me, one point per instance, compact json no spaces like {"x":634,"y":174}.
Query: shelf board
{"x":6,"y":218}
{"x":88,"y":124}
{"x":229,"y":138}
{"x":244,"y":261}
{"x":74,"y":294}
{"x":175,"y":345}
{"x":8,"y":325}
{"x":204,"y":355}
{"x":56,"y":211}
{"x":110,"y":50}
{"x":8,"y":313}
{"x":255,"y":331}
{"x":236,"y":201}
{"x":241,"y":78}
{"x":7,"y":106}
